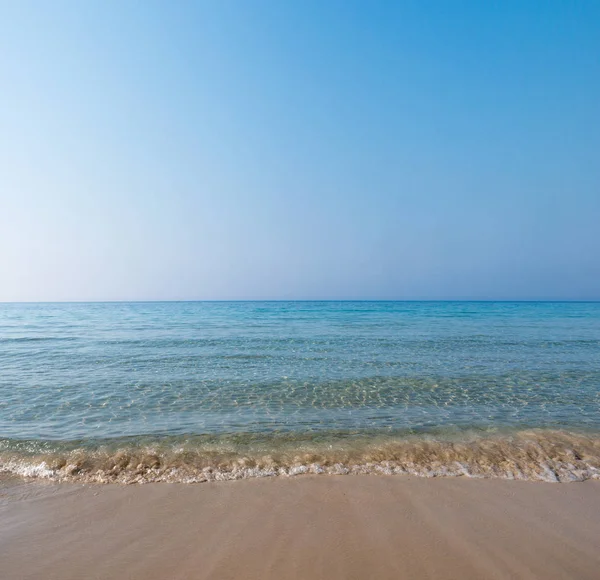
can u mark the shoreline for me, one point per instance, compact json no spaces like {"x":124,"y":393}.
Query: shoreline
{"x":308,"y":527}
{"x":526,"y":455}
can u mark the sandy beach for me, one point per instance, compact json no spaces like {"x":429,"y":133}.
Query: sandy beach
{"x":302,"y":527}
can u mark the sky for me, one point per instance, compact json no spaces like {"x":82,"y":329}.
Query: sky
{"x":155,"y":150}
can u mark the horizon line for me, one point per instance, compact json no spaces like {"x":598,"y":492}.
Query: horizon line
{"x":195,"y":300}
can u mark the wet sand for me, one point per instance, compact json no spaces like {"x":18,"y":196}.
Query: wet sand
{"x":303,"y":527}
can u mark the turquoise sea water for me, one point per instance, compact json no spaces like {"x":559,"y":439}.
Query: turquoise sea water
{"x":215,"y":387}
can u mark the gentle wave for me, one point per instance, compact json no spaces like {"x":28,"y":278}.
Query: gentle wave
{"x":533,"y":455}
{"x":28,"y":339}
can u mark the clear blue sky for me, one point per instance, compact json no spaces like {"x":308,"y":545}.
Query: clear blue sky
{"x":313,"y":149}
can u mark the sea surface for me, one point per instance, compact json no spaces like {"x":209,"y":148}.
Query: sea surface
{"x":196,"y":391}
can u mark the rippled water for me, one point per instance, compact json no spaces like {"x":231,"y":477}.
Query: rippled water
{"x":246,"y":380}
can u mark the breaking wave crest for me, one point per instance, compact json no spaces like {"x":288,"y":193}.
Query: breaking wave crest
{"x":534,"y":455}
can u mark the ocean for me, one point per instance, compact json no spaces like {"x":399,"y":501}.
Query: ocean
{"x":200,"y":391}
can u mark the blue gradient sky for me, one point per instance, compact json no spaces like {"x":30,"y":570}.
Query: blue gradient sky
{"x":225,"y":150}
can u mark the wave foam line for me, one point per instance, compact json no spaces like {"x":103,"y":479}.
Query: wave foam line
{"x":550,"y":456}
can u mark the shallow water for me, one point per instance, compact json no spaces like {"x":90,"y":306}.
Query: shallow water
{"x":91,"y":391}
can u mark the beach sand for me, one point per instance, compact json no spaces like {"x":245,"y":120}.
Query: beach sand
{"x":304,"y":527}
